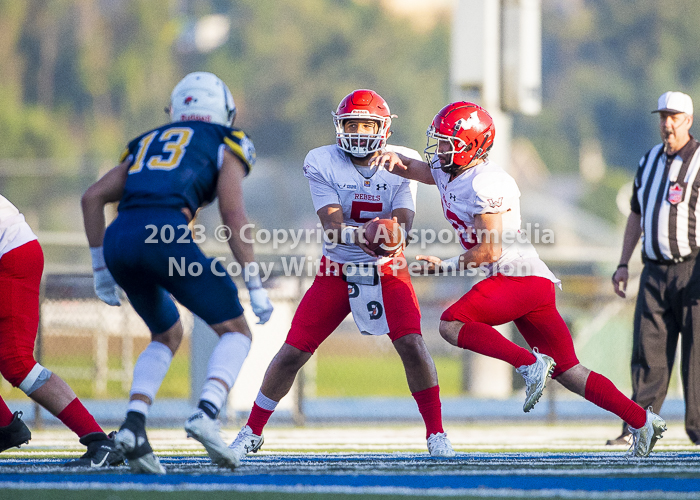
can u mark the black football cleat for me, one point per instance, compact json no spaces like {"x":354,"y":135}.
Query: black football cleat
{"x":101,"y":452}
{"x":15,"y":433}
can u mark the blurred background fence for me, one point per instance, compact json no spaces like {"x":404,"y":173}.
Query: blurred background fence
{"x":94,"y":346}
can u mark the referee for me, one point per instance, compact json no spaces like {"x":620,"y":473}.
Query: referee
{"x":664,"y":204}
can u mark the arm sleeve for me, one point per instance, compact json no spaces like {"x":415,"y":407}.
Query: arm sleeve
{"x":634,"y":202}
{"x":322,"y":192}
{"x":495,"y":192}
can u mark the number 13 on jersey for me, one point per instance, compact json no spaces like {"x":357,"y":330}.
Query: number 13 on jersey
{"x":175,"y":142}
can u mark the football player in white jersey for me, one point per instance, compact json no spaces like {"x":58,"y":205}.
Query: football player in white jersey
{"x":348,"y":194}
{"x":482,"y":202}
{"x":21,"y":267}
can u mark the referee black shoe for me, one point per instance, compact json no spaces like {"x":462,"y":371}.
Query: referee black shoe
{"x":15,"y":433}
{"x":624,"y":439}
{"x":101,"y":452}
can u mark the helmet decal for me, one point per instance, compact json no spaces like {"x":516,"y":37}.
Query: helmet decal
{"x":462,"y":132}
{"x":202,"y":96}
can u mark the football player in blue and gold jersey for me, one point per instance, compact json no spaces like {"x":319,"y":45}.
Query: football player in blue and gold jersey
{"x":163,"y":178}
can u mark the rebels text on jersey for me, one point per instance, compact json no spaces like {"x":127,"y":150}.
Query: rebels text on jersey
{"x":335,"y":180}
{"x":488,"y":189}
{"x":177,"y":165}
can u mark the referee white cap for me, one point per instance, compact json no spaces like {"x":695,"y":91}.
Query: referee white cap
{"x":675,"y":102}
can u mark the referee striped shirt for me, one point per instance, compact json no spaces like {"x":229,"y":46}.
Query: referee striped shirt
{"x":665,"y":193}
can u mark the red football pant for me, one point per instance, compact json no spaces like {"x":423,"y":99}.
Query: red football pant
{"x":530,"y":303}
{"x":326,"y":304}
{"x":20,"y":278}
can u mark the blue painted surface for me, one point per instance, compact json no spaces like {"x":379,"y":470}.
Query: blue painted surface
{"x":564,"y":482}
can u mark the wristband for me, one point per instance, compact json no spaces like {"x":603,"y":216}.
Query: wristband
{"x":252,"y":276}
{"x":347,"y":235}
{"x":621,"y":265}
{"x":98,"y":258}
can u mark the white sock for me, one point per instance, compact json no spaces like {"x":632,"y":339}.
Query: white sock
{"x":150,"y":370}
{"x":225,"y":364}
{"x":265,"y":403}
{"x":138,"y":406}
{"x":214,"y":393}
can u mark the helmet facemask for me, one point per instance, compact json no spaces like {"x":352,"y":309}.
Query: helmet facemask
{"x":364,"y":105}
{"x":361,"y":145}
{"x":453,"y":149}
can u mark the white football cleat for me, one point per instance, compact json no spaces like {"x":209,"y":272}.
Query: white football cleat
{"x":440,"y":446}
{"x":246,"y":442}
{"x":535,"y":376}
{"x":206,"y":430}
{"x":644,"y":438}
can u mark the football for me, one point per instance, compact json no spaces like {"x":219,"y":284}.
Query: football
{"x":384,"y":236}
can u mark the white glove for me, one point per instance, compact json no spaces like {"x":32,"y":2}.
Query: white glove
{"x":106,"y":288}
{"x":260,"y":302}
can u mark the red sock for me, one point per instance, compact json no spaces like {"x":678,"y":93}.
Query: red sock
{"x":78,"y":419}
{"x":258,"y":419}
{"x":484,"y":339}
{"x":5,"y":414}
{"x":602,"y":392}
{"x":430,"y":408}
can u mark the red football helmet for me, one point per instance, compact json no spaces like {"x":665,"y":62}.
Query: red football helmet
{"x":468,"y":129}
{"x":364,"y":105}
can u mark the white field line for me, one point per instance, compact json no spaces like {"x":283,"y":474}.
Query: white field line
{"x":474,"y":437}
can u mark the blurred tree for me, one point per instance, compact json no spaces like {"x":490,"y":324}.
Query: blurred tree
{"x":605,"y":63}
{"x":81,"y":78}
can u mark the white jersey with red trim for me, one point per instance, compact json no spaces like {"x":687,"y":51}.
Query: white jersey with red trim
{"x":14,"y":231}
{"x":363,"y":193}
{"x":488,"y":189}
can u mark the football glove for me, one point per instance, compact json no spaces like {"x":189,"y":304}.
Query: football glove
{"x":260,"y":302}
{"x":106,"y":288}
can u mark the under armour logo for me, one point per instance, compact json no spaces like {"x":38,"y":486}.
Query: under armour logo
{"x":495,"y":203}
{"x":381,"y":186}
{"x":453,"y":197}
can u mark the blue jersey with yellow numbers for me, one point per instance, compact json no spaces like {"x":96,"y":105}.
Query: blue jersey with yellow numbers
{"x":177,"y":165}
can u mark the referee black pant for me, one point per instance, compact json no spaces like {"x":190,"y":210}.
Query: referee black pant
{"x":668,"y":305}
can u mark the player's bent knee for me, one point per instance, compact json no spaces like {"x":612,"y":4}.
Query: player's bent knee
{"x":239,"y":325}
{"x":449,"y":330}
{"x":36,"y":378}
{"x":16,"y":368}
{"x":291,"y":358}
